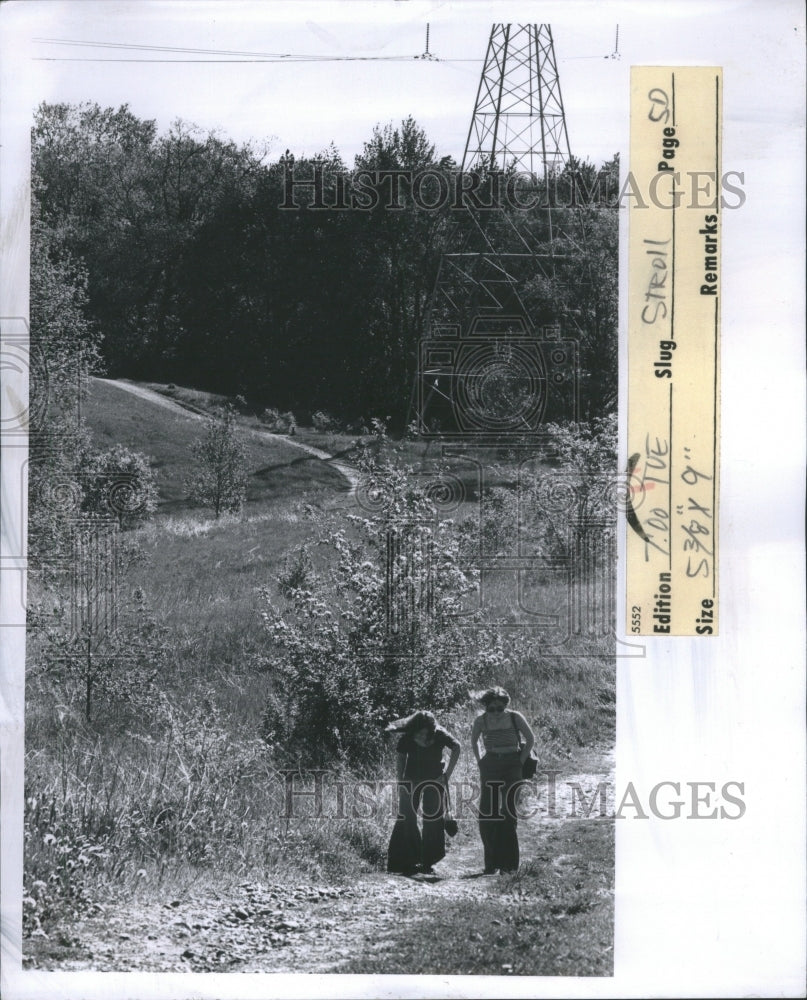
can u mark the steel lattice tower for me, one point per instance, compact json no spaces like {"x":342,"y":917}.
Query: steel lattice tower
{"x":519,"y":124}
{"x":518,"y":118}
{"x":479,"y":317}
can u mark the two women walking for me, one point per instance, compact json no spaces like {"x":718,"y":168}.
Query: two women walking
{"x":423,"y":776}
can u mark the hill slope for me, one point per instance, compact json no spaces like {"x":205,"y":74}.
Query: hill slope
{"x":165,"y":432}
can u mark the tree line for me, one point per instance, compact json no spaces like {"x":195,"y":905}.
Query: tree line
{"x":194,"y":273}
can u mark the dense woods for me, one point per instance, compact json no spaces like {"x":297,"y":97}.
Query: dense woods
{"x":196,"y":274}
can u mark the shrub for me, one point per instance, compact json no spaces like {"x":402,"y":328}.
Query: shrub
{"x":220,"y":481}
{"x":322,"y":421}
{"x":297,"y":573}
{"x":119,"y":482}
{"x":105,"y":663}
{"x":375,"y":633}
{"x":580,"y":495}
{"x":574,"y":490}
{"x":586,"y":455}
{"x":277,"y":422}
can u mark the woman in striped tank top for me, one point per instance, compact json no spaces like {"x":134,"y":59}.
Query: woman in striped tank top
{"x":507,"y":740}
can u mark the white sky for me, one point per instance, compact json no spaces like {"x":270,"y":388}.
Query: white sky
{"x":304,"y":107}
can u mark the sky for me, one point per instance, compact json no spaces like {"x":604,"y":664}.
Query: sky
{"x":304,"y":107}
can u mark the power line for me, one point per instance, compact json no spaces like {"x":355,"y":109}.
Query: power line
{"x":237,"y":62}
{"x":220,"y":55}
{"x":161,"y":48}
{"x":235,"y":56}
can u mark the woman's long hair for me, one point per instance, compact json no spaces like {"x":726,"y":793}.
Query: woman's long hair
{"x":412,"y":723}
{"x":490,"y":694}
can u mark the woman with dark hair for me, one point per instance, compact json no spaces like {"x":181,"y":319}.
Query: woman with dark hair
{"x":422,"y":782}
{"x":507,"y":740}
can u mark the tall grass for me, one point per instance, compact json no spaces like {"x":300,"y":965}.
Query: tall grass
{"x":186,"y":788}
{"x":193,"y":795}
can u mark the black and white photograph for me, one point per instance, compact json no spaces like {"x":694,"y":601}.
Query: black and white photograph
{"x":322,"y":498}
{"x":320,"y":467}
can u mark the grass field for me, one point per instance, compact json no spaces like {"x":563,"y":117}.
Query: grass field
{"x":135,"y":803}
{"x":277,"y":470}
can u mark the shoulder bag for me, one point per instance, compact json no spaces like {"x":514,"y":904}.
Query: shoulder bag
{"x":530,"y":766}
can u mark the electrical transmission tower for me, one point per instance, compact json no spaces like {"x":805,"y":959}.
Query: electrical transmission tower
{"x":519,"y":121}
{"x":500,"y":355}
{"x":518,"y":134}
{"x":488,"y":360}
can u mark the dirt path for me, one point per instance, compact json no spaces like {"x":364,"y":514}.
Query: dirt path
{"x":349,"y":474}
{"x":282,"y":927}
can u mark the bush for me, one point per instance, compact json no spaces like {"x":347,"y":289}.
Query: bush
{"x":119,"y":482}
{"x":322,"y":421}
{"x":277,"y":422}
{"x":103,"y":663}
{"x":580,"y":495}
{"x":574,"y":490}
{"x":373,"y":635}
{"x":297,"y":573}
{"x":220,"y":481}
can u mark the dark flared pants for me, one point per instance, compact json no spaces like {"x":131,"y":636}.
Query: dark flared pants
{"x":500,"y":774}
{"x":409,"y":847}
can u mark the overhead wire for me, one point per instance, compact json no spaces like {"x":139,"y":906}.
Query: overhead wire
{"x":233,"y":56}
{"x":236,"y":61}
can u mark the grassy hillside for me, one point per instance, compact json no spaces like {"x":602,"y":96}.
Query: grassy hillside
{"x":202,"y":575}
{"x":420,"y":454}
{"x":334,"y":442}
{"x":277,"y":470}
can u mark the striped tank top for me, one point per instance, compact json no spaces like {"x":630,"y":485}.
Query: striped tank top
{"x":504,"y":740}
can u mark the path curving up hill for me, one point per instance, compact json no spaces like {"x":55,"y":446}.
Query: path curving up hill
{"x":349,"y":474}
